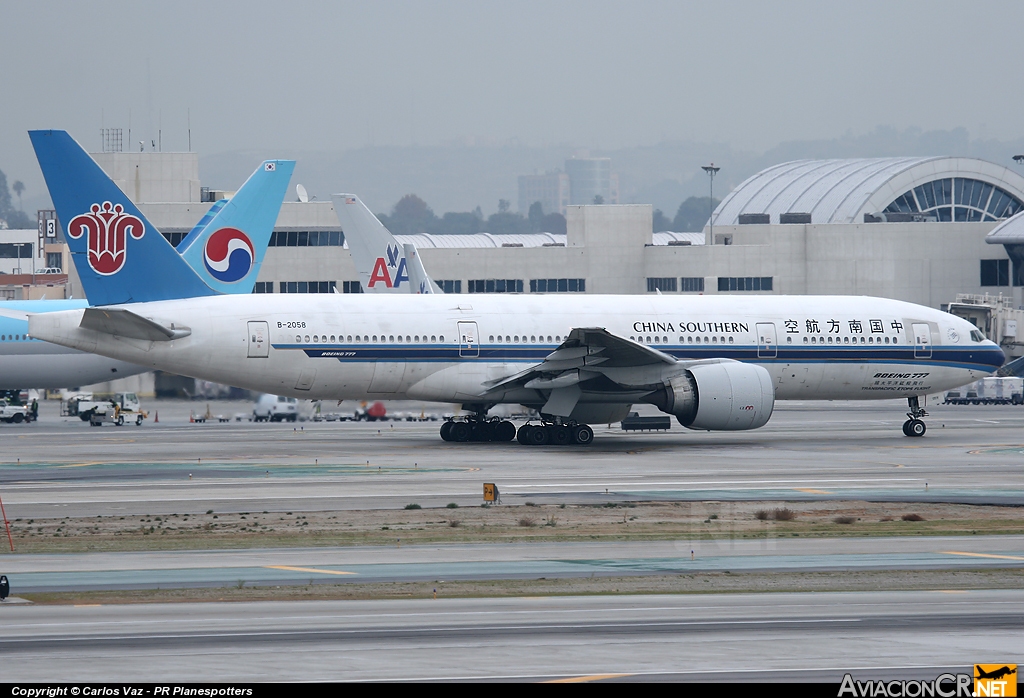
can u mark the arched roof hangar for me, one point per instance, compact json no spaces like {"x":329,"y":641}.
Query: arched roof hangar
{"x":843,"y":191}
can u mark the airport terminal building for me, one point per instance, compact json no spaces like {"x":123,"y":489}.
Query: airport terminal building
{"x":912,"y":229}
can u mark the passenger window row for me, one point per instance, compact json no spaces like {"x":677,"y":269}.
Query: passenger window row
{"x":521,"y":339}
{"x":366,"y":339}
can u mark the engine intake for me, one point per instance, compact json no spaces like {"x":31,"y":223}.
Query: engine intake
{"x":727,"y":396}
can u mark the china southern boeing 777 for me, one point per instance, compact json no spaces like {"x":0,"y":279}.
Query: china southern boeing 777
{"x":714,"y":362}
{"x":224,"y":251}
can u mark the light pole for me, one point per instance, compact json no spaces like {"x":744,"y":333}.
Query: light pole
{"x":712,"y":171}
{"x":19,"y":245}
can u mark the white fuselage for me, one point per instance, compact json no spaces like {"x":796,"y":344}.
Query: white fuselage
{"x":449,"y":348}
{"x":31,"y":363}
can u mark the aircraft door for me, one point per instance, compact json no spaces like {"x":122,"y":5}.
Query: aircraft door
{"x":922,"y":340}
{"x":469,"y":343}
{"x":259,"y":340}
{"x":767,"y":344}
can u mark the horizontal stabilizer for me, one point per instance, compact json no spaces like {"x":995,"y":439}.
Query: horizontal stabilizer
{"x":124,"y":323}
{"x":14,"y":314}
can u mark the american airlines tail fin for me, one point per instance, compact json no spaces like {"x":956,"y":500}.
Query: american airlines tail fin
{"x":382,"y":264}
{"x":121,"y":257}
{"x":227,"y":252}
{"x":418,"y":279}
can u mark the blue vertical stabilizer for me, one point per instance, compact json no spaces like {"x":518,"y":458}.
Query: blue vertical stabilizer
{"x":120,"y":257}
{"x":228,"y":251}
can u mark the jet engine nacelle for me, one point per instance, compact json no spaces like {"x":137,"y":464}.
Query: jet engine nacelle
{"x":726,"y":396}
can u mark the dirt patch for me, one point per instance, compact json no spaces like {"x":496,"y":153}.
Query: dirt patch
{"x":547,"y":522}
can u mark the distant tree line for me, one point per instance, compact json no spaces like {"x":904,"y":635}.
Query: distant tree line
{"x":691,"y":217}
{"x":11,"y":217}
{"x":411,"y":215}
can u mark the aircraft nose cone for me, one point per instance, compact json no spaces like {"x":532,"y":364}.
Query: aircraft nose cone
{"x":994,"y":356}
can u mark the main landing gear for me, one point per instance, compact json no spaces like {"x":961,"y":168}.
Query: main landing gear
{"x":478,"y":429}
{"x":555,"y":434}
{"x":914,"y":426}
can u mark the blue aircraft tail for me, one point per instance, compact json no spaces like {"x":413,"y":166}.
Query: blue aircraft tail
{"x":122,"y":258}
{"x":228,"y":251}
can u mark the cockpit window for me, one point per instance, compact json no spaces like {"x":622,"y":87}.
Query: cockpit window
{"x":977,"y":336}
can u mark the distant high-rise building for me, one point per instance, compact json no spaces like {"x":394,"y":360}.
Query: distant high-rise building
{"x":590,"y":178}
{"x":550,"y":189}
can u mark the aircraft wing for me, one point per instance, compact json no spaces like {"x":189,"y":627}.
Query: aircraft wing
{"x":593,"y":360}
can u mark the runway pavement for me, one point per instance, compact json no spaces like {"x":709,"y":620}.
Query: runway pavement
{"x":812,"y":451}
{"x":817,"y":637}
{"x":267,"y":567}
{"x":807,"y":451}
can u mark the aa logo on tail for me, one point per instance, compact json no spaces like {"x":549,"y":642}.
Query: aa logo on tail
{"x":381,"y":267}
{"x":229,"y":255}
{"x":107,"y":228}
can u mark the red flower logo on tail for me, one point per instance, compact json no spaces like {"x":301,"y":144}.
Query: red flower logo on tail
{"x":107,"y":227}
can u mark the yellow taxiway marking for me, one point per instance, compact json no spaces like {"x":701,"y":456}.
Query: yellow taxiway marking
{"x":998,"y":557}
{"x":587,"y":679}
{"x":811,"y":490}
{"x":950,"y":591}
{"x":80,"y":465}
{"x":88,"y":605}
{"x":305,"y":569}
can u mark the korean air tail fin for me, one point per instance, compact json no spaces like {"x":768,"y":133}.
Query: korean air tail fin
{"x":228,"y":250}
{"x":119,"y":255}
{"x":201,"y":225}
{"x":382,"y":264}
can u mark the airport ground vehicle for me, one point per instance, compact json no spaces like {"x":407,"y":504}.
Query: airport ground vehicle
{"x":118,"y":409}
{"x":376,"y":412}
{"x":275,"y":408}
{"x":15,"y":414}
{"x":995,"y":390}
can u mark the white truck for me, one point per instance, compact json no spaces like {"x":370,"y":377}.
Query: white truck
{"x":15,"y":414}
{"x":118,"y":409}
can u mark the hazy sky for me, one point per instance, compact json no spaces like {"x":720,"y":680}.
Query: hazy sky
{"x":280,"y":78}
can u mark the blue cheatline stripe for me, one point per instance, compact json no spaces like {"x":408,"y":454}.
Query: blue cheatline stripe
{"x":426,"y":353}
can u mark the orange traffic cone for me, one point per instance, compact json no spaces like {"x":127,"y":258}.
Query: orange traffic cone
{"x":156,"y":418}
{"x":191,"y":418}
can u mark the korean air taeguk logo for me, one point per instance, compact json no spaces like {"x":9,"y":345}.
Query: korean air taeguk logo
{"x":229,"y":255}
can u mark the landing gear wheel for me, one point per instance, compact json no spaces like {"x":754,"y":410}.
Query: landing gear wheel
{"x":914,"y":426}
{"x":560,"y":435}
{"x":481,"y":431}
{"x":446,"y":431}
{"x":539,"y":436}
{"x":523,"y":435}
{"x":460,"y":432}
{"x":583,"y":435}
{"x":504,"y":431}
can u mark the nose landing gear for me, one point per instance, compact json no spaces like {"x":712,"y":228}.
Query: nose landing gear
{"x":914,"y":426}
